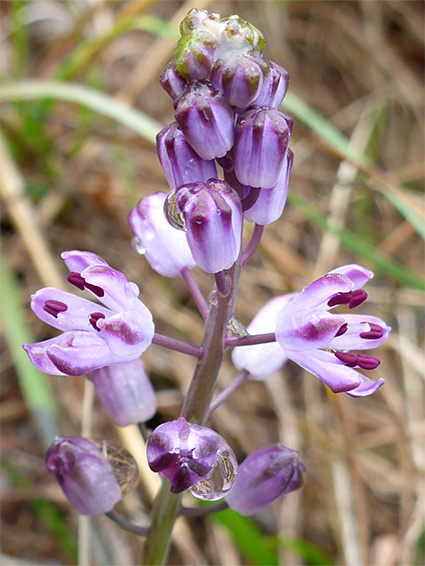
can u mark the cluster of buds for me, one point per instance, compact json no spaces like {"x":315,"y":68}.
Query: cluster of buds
{"x":226,"y":98}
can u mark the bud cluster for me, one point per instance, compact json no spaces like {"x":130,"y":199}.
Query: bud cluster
{"x":225,"y":97}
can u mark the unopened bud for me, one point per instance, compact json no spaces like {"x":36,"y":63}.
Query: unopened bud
{"x":263,"y":476}
{"x":181,"y":164}
{"x":125,"y":391}
{"x":261,"y":144}
{"x":212,"y":216}
{"x":206,"y":120}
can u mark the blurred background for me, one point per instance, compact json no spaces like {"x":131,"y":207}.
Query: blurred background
{"x":81,"y":105}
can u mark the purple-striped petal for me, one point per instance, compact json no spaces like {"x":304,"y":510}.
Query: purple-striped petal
{"x":128,"y":333}
{"x":76,"y":260}
{"x":363,"y":332}
{"x":125,"y":391}
{"x":317,"y":294}
{"x":356,"y":273}
{"x":307,"y":329}
{"x":366,"y":387}
{"x":77,"y":313}
{"x":324,"y":365}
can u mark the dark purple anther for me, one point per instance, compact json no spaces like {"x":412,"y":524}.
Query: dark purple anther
{"x":358,"y":297}
{"x":54,"y":307}
{"x":352,"y":299}
{"x":78,"y":281}
{"x":94,"y":317}
{"x":375,"y":332}
{"x":342,"y":329}
{"x":363,"y":361}
{"x":347,"y":358}
{"x":367,"y":362}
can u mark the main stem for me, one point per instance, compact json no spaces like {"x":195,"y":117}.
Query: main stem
{"x":195,"y":409}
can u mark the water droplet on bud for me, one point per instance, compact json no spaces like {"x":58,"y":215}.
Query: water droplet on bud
{"x":123,"y":464}
{"x":236,"y":329}
{"x":137,"y":246}
{"x":220,"y":480}
{"x":174,"y":217}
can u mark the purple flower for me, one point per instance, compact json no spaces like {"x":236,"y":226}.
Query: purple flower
{"x":212,"y":217}
{"x":274,"y":87}
{"x":320,"y":342}
{"x":261,"y":360}
{"x":85,"y":476}
{"x":125,"y":391}
{"x":239,"y":77}
{"x":270,"y":203}
{"x":263,"y":476}
{"x":165,"y":248}
{"x":261,"y":143}
{"x":184,"y":453}
{"x":93,"y":335}
{"x":206,"y":120}
{"x":181,"y":164}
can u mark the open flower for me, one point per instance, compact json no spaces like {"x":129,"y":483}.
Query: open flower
{"x":321,"y":342}
{"x":93,"y":335}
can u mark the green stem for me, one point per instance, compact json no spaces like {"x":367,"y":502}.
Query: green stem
{"x":195,"y":409}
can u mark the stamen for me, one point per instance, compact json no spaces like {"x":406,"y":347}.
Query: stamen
{"x":98,"y":291}
{"x":375,"y":332}
{"x":358,"y":297}
{"x":76,"y":279}
{"x":347,"y":358}
{"x":363,"y":361}
{"x":342,"y":329}
{"x":351,"y":298}
{"x":368,"y":362}
{"x":94,"y":317}
{"x":54,"y":307}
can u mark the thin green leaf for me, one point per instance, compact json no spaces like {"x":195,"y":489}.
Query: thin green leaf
{"x":311,"y":554}
{"x":355,"y":244}
{"x":251,"y":543}
{"x":34,"y":386}
{"x":122,"y":113}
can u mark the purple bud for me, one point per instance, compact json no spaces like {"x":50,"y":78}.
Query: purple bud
{"x":165,"y":248}
{"x":185,"y":453}
{"x":274,"y":87}
{"x":126,"y":392}
{"x":263,"y":476}
{"x":261,"y":144}
{"x":85,"y":476}
{"x":181,"y":164}
{"x":212,"y":216}
{"x":239,"y":77}
{"x":172,"y":81}
{"x":270,"y":203}
{"x":195,"y":54}
{"x":206,"y":120}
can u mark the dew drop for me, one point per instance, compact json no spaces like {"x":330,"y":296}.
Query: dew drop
{"x":137,"y":246}
{"x":236,"y":329}
{"x":123,"y":464}
{"x":220,"y":480}
{"x":174,"y":217}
